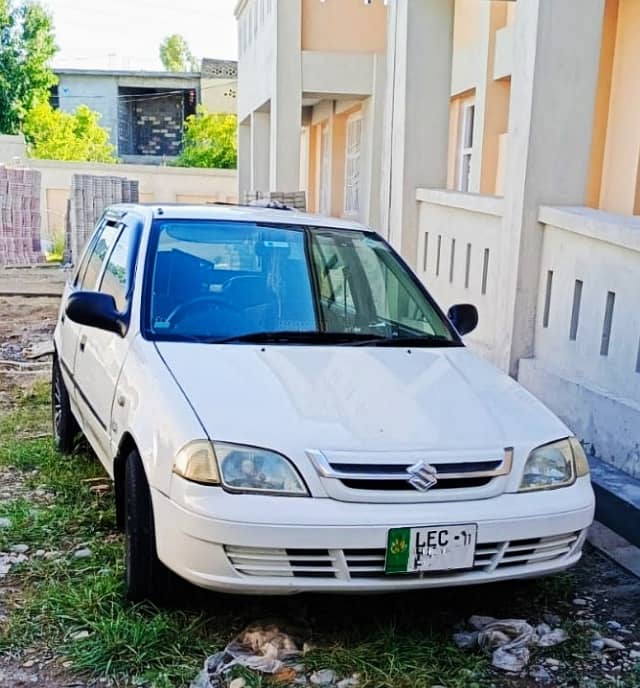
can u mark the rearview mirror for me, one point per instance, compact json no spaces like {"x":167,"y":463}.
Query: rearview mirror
{"x":95,"y":309}
{"x":464,"y":317}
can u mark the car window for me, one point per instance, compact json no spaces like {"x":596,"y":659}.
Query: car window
{"x":216,"y":279}
{"x":99,"y":253}
{"x":213,"y":280}
{"x":115,"y":280}
{"x":86,"y":255}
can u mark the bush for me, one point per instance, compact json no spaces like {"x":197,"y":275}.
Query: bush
{"x":57,"y":135}
{"x":210,"y":140}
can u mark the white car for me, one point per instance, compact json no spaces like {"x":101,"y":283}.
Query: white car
{"x":284,"y":408}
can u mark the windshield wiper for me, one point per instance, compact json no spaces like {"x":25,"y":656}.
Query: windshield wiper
{"x":424,"y":341}
{"x":285,"y":337}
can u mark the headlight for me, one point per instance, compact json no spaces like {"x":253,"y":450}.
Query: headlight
{"x":239,"y":468}
{"x":249,"y":469}
{"x":554,"y":465}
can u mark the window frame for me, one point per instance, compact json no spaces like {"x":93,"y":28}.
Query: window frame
{"x":464,"y":151}
{"x":351,"y":120}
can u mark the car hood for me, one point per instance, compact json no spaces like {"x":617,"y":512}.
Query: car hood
{"x":293,"y":398}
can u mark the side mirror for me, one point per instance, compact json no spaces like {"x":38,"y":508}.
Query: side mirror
{"x":464,"y":317}
{"x":95,"y":309}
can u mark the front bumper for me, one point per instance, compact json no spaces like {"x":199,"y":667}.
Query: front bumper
{"x":258,"y":544}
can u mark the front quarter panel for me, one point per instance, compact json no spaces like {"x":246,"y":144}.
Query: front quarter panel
{"x":151,"y":407}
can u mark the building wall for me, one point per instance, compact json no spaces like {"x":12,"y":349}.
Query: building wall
{"x":622,"y":147}
{"x":99,"y":93}
{"x":12,"y":147}
{"x":157,"y":185}
{"x":219,"y":95}
{"x":339,"y":26}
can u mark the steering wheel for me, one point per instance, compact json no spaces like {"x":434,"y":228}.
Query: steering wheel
{"x":204,"y":303}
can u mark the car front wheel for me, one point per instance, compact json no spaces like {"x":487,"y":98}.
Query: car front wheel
{"x":147,"y":578}
{"x":65,"y":427}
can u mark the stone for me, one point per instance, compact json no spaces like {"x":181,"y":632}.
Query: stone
{"x":238,"y":683}
{"x":5,"y":523}
{"x":580,"y":602}
{"x":83,"y":553}
{"x":80,"y":635}
{"x":634,"y":654}
{"x":350,"y":682}
{"x":597,"y":645}
{"x":552,"y":619}
{"x":324,"y":677}
{"x":550,"y":661}
{"x":51,"y":555}
{"x":614,"y":625}
{"x":612,"y":644}
{"x":540,"y":675}
{"x":20,"y":549}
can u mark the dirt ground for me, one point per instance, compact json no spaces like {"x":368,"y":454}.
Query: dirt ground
{"x":24,"y":322}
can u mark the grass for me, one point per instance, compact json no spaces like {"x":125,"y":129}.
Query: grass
{"x":395,"y":641}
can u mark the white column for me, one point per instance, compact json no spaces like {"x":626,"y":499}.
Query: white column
{"x":419,"y":53}
{"x":286,"y":99}
{"x":260,"y":150}
{"x":244,"y":158}
{"x":554,"y":80}
{"x":373,"y":122}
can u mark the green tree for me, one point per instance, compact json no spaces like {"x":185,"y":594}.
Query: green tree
{"x":27,"y":45}
{"x":210,"y":140}
{"x":176,"y":56}
{"x":57,"y":135}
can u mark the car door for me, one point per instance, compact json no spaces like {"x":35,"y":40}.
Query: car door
{"x":100,"y":354}
{"x":69,"y":331}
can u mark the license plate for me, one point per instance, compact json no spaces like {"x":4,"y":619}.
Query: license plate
{"x":431,"y":548}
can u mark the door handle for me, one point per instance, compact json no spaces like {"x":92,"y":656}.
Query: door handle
{"x":83,"y":342}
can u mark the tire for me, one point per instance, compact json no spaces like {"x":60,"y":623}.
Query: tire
{"x":146,"y":577}
{"x":65,"y":426}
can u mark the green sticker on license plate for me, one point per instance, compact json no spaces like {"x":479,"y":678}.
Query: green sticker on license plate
{"x":398,"y":550}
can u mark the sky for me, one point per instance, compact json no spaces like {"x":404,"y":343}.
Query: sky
{"x":126,"y":34}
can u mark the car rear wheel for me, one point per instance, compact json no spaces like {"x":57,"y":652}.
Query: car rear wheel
{"x":65,"y":427}
{"x":147,"y":578}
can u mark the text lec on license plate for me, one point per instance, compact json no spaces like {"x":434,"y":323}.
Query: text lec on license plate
{"x":431,"y":548}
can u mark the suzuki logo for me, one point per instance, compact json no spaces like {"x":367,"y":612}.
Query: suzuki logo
{"x":423,"y":476}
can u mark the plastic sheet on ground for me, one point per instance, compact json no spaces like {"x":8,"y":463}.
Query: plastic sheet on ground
{"x":508,"y":640}
{"x":263,"y":648}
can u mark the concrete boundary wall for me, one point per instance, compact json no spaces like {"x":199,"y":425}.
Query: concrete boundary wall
{"x":157,"y":185}
{"x":459,"y":256}
{"x":586,"y":364}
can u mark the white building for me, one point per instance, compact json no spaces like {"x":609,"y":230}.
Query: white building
{"x":496,"y":145}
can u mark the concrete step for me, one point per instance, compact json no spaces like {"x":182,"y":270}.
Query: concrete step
{"x":617,"y":500}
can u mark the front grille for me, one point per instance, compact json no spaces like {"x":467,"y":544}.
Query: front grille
{"x":401,"y":485}
{"x":370,"y":563}
{"x":350,"y":480}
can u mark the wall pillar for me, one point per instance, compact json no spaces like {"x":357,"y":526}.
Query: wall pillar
{"x":286,"y":99}
{"x":244,"y":158}
{"x":415,"y":148}
{"x":260,"y":150}
{"x":553,"y":90}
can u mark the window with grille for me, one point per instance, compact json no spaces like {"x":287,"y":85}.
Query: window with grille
{"x":353,"y":150}
{"x":465,"y":146}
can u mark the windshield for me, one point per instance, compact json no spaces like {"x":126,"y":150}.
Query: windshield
{"x":219,"y":281}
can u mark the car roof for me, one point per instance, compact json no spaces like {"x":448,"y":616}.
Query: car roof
{"x":236,"y":213}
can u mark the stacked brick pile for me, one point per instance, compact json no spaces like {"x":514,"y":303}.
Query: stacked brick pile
{"x":90,"y":195}
{"x":20,"y":217}
{"x":295,"y":199}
